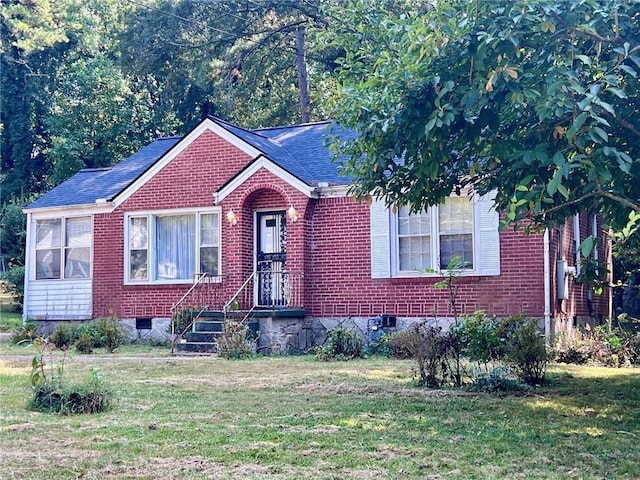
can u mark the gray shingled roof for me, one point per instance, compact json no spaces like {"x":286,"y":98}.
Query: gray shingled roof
{"x":299,"y":149}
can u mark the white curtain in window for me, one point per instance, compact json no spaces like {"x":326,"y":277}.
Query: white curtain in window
{"x":175,"y":247}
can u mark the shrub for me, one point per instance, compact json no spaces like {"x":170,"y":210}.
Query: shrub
{"x":110,"y":333}
{"x":615,"y":348}
{"x":402,"y":344}
{"x":478,"y":338}
{"x":434,"y":351}
{"x":14,"y":284}
{"x":234,"y":342}
{"x":64,"y":336}
{"x":500,"y":379}
{"x":92,"y":396}
{"x":527,"y":352}
{"x":84,"y":344}
{"x":181,"y":320}
{"x":27,"y":332}
{"x":341,"y":344}
{"x":51,"y":393}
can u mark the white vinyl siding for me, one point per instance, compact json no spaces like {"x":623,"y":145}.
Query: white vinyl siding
{"x":55,"y":300}
{"x":171,"y":246}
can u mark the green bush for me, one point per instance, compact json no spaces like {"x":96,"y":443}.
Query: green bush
{"x":27,"y":332}
{"x":181,"y":320}
{"x":526,"y":352}
{"x":341,"y":344}
{"x":478,"y":338}
{"x":84,"y":344}
{"x":111,"y":335}
{"x":64,"y":336}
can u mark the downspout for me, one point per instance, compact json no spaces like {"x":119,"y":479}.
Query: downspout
{"x":28,"y":255}
{"x":547,"y":288}
{"x":576,"y":239}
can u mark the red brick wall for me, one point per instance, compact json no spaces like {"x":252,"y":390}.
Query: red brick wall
{"x":340,"y":273}
{"x":329,"y":243}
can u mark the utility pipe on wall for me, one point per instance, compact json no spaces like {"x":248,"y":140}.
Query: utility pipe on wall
{"x":547,"y":288}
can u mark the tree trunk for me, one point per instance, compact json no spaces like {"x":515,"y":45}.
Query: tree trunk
{"x":303,"y":84}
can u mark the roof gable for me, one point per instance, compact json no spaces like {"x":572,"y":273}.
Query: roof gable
{"x":299,"y":154}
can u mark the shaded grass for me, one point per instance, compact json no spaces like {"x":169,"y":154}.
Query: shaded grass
{"x":296,"y":418}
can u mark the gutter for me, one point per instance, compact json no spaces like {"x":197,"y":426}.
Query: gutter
{"x":547,"y":288}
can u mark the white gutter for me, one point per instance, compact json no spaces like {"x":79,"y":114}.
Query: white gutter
{"x":576,"y":239}
{"x":547,"y":288}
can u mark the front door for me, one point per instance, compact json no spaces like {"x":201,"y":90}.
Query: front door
{"x":271,"y":259}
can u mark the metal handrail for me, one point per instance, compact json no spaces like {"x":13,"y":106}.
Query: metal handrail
{"x":234,"y":298}
{"x":198,"y":281}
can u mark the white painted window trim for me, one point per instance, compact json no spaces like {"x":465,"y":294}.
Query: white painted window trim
{"x":32,"y":248}
{"x":486,"y":242}
{"x":151,"y":215}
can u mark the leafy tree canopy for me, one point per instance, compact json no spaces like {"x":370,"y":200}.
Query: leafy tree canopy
{"x":536,"y":99}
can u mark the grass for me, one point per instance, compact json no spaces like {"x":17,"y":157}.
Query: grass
{"x":293,"y":417}
{"x":9,"y":318}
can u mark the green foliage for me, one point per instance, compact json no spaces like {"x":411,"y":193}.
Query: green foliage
{"x":526,"y":352}
{"x":181,"y":321}
{"x":91,"y":396}
{"x":341,"y":344}
{"x":489,"y":95}
{"x":84,"y":343}
{"x":27,"y":332}
{"x":52,"y":394}
{"x":235,"y":342}
{"x":64,"y":336}
{"x":14,"y":284}
{"x":478,"y":337}
{"x":500,"y":379}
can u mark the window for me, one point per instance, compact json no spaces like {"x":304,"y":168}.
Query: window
{"x":63,"y":248}
{"x":434,"y":236}
{"x":172,"y":247}
{"x":411,"y":244}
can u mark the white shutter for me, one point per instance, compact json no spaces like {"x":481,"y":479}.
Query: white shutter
{"x":488,"y":244}
{"x":380,"y":240}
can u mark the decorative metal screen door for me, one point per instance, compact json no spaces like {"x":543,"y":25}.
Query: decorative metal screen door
{"x":271,"y":259}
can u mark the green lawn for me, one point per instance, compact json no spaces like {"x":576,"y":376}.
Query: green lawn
{"x":296,"y":418}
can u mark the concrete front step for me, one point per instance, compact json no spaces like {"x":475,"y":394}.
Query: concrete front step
{"x":208,"y":325}
{"x":199,"y":347}
{"x":202,"y":336}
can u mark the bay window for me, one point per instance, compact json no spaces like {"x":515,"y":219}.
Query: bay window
{"x":172,"y":247}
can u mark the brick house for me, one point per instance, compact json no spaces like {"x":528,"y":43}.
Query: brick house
{"x":262,"y":222}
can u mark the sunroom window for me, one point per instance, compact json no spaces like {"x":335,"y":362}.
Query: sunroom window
{"x":63,"y":248}
{"x":173,"y":247}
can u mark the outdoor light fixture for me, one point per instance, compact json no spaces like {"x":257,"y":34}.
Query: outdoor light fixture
{"x":231,"y":218}
{"x":292,"y":214}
